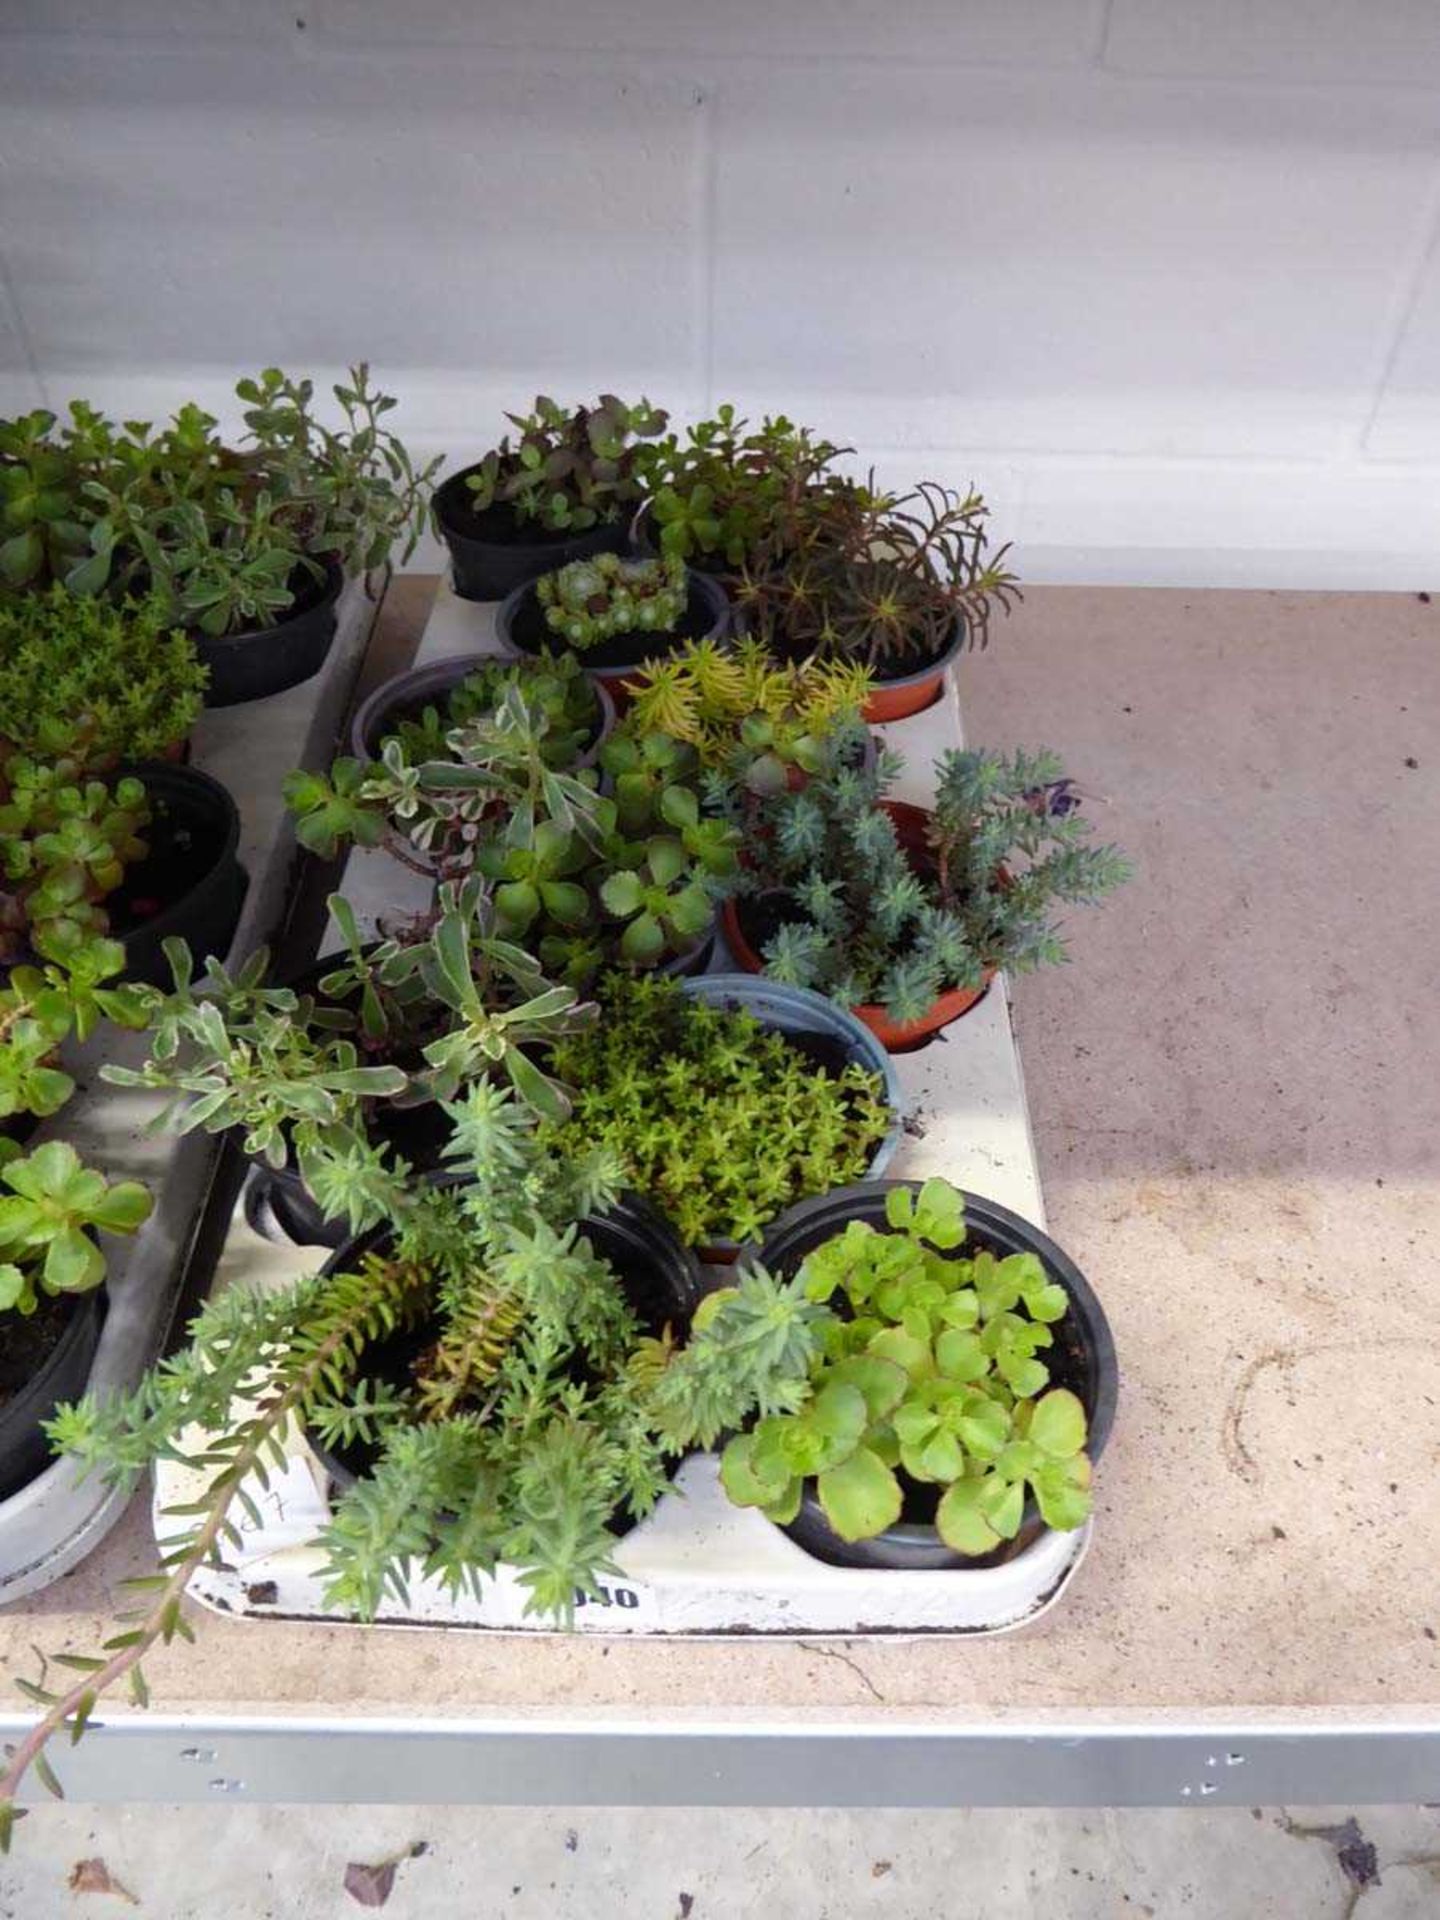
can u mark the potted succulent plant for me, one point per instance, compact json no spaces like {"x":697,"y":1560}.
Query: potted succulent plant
{"x":963,"y":1383}
{"x":556,"y":1389}
{"x":107,"y":681}
{"x":423,"y":706}
{"x":143,"y":854}
{"x":726,"y":1099}
{"x":321,"y":1077}
{"x":52,"y":1272}
{"x":565,"y":488}
{"x":758,"y":723}
{"x":586,"y":879}
{"x":905,"y":915}
{"x":713,"y":498}
{"x":899,"y":583}
{"x":616,"y":614}
{"x":246,"y":547}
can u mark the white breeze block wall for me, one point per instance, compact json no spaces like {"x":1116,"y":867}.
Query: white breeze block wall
{"x":1161,"y":275}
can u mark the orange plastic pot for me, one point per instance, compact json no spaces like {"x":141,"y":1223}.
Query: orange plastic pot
{"x":896,"y":1036}
{"x":912,"y":692}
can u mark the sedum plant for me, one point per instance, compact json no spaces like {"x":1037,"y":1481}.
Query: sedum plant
{"x":100,"y":682}
{"x":65,"y":842}
{"x":567,"y":470}
{"x":930,"y":1374}
{"x":714,"y":496}
{"x":723,"y":1123}
{"x":608,"y":598}
{"x":875,"y":578}
{"x":538,"y":1407}
{"x":48,"y":1220}
{"x":863,"y":920}
{"x":752,"y":720}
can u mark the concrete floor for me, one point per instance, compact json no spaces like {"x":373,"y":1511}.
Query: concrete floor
{"x":289,"y":1863}
{"x":1238,"y":1120}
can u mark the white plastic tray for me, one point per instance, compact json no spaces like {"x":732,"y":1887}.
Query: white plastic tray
{"x":697,"y":1565}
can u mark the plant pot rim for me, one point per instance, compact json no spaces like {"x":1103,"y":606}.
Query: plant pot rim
{"x":917,"y":676}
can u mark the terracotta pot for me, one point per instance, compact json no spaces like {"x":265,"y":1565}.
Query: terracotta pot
{"x":912,"y":692}
{"x":895,"y":1035}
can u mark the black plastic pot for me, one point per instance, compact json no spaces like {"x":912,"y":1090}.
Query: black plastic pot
{"x":191,"y":883}
{"x":492,"y":553}
{"x":265,"y":660}
{"x":520,"y":625}
{"x":1082,"y":1359}
{"x":659,"y":1277}
{"x":407,"y":695}
{"x":62,"y":1376}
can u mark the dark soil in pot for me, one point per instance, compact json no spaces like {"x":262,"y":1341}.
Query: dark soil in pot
{"x":190,"y":882}
{"x":658,"y":1277}
{"x":264,"y":660}
{"x":1082,"y":1359}
{"x":45,"y":1359}
{"x":707,"y":616}
{"x":492,"y":553}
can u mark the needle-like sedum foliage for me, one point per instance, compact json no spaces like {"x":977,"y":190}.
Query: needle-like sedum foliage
{"x":849,"y":910}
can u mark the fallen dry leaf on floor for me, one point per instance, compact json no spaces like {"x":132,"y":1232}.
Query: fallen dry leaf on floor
{"x":880,"y":1869}
{"x":93,"y":1876}
{"x":371,"y":1885}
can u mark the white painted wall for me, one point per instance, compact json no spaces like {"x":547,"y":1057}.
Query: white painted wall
{"x":1161,"y":275}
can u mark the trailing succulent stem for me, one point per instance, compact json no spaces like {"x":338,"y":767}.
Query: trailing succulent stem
{"x":278,"y":1349}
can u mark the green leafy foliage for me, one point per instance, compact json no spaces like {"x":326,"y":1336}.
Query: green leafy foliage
{"x":97,"y":682}
{"x":750,"y":720}
{"x":555,"y":688}
{"x":878,"y":578}
{"x":714,"y":495}
{"x":399,"y":1022}
{"x":567,"y":470}
{"x":608,"y":597}
{"x":48,"y":1219}
{"x":224,"y":538}
{"x":44,"y":1004}
{"x":869,"y":921}
{"x":721,"y":1121}
{"x":928,"y":1375}
{"x":65,"y":842}
{"x":582,"y":878}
